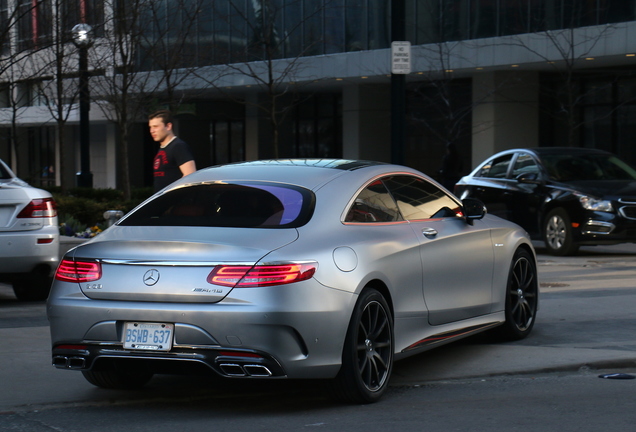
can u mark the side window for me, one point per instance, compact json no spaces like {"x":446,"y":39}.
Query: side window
{"x":373,"y":204}
{"x":524,"y":164}
{"x":419,"y":199}
{"x":496,"y":168}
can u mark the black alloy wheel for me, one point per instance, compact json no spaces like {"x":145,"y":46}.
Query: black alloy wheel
{"x":522,"y":297}
{"x":367,"y":358}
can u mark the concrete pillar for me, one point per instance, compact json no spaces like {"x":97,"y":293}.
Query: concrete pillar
{"x":506,"y":112}
{"x":366,"y":122}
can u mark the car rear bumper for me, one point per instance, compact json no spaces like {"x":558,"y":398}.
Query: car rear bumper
{"x":294,"y":331}
{"x":21,"y":252}
{"x":231,"y":363}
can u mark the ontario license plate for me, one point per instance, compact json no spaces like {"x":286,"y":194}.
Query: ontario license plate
{"x":148,"y":336}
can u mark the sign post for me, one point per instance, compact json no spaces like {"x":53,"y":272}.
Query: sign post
{"x":400,"y":67}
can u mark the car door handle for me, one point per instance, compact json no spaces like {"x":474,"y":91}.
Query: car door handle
{"x":429,"y":232}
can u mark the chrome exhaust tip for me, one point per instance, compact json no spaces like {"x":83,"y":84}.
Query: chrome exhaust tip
{"x":64,"y":362}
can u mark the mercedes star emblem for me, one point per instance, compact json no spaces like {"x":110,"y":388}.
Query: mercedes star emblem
{"x":151,"y":277}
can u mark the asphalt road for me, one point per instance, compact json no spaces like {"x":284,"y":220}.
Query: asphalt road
{"x":585,"y":324}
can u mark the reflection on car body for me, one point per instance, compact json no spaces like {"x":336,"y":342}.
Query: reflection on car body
{"x":325,"y":269}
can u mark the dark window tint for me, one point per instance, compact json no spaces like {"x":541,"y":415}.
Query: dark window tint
{"x":4,"y":173}
{"x":373,"y":204}
{"x":566,"y":168}
{"x":524,"y":164}
{"x":253,"y":205}
{"x":496,"y":168}
{"x":419,"y":199}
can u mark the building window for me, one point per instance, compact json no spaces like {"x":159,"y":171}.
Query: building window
{"x":5,"y":28}
{"x":35,"y":24}
{"x":31,"y":93}
{"x":227,"y":141}
{"x":318,"y":128}
{"x":5,"y":96}
{"x":83,"y":11}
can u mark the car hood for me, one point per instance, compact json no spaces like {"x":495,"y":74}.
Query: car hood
{"x":137,"y":266}
{"x":605,"y":188}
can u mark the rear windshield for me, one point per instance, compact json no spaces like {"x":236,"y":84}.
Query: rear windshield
{"x":244,"y":205}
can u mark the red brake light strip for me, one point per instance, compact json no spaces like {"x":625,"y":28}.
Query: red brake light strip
{"x":258,"y":276}
{"x":78,"y":271}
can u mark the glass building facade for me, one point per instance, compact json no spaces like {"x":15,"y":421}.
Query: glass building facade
{"x":231,"y":31}
{"x":197,"y":33}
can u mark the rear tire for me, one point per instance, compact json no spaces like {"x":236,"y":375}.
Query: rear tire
{"x":367,"y":357}
{"x":32,"y":288}
{"x":522,"y":297}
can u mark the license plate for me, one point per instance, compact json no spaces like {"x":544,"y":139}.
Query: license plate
{"x":148,"y":336}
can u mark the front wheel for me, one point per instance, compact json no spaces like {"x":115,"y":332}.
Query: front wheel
{"x":558,"y":235}
{"x":367,"y":357}
{"x":522,"y":297}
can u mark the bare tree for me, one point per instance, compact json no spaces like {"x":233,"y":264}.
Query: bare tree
{"x":437,"y":92}
{"x":441,"y":102}
{"x":566,"y":50}
{"x":262,"y":54}
{"x":13,"y":57}
{"x":144,"y":55}
{"x":53,"y":65}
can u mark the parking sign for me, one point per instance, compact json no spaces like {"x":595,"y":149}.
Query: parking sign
{"x":401,"y":57}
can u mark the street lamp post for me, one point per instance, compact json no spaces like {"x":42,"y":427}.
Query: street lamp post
{"x":83,"y":39}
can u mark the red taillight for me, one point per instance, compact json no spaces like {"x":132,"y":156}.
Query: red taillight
{"x":258,"y":276}
{"x":71,"y":347}
{"x":39,"y":208}
{"x":78,"y":271}
{"x":239,"y":354}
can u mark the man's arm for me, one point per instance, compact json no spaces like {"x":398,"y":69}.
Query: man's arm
{"x":188,"y":167}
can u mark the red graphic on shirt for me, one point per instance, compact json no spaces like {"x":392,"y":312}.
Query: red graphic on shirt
{"x":160,"y":160}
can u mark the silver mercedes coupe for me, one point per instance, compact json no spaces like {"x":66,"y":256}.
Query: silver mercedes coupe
{"x":329,"y":269}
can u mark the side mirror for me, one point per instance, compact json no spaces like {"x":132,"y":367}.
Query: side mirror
{"x":473,"y":209}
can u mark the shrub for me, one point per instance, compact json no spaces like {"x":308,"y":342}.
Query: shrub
{"x":83,"y":208}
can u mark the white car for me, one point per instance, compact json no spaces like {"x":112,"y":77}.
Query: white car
{"x":29,"y":237}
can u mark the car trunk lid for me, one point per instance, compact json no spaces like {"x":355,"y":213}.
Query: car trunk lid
{"x":176,"y":269}
{"x":12,"y":200}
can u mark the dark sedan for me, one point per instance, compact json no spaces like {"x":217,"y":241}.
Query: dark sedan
{"x":567,"y":197}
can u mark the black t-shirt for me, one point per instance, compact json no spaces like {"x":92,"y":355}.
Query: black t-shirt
{"x":167,"y":162}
